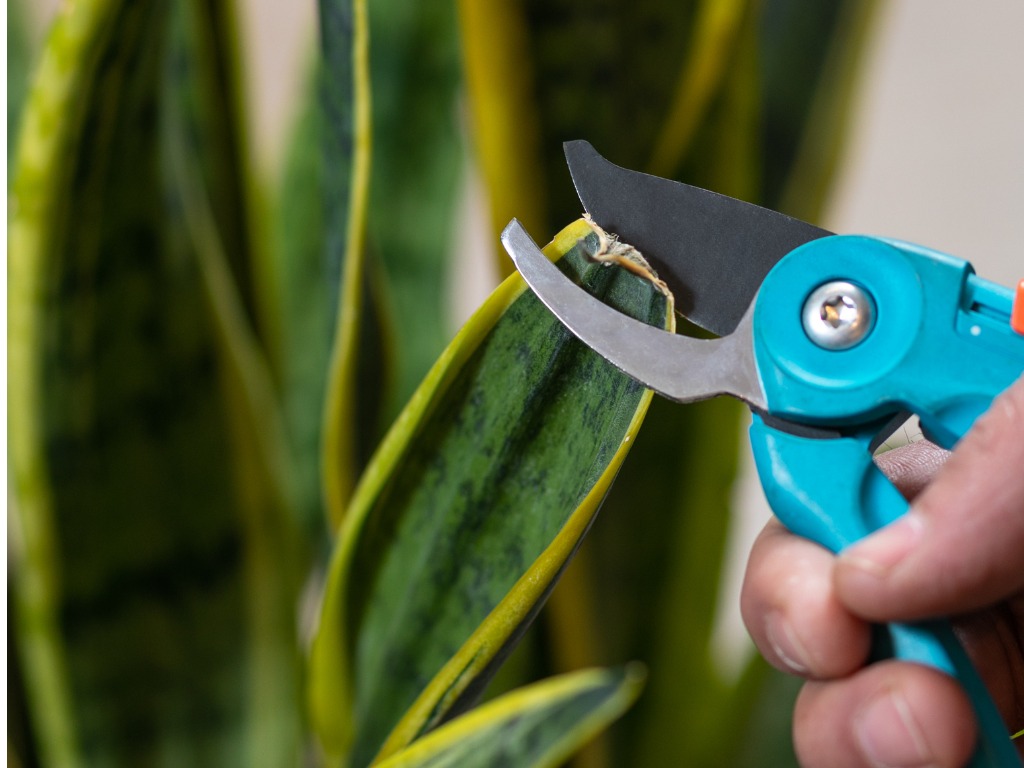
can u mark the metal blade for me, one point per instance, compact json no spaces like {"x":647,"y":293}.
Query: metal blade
{"x":712,"y":250}
{"x":679,"y":367}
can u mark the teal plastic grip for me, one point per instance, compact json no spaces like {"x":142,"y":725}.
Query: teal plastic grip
{"x":941,"y":344}
{"x":831,"y":492}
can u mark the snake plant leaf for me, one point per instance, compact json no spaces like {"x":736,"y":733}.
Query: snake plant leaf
{"x":305,"y":300}
{"x":308,"y":293}
{"x":154,"y":602}
{"x":473,"y":505}
{"x":388,"y":222}
{"x":415,"y":79}
{"x":649,"y":70}
{"x":537,"y":726}
{"x":214,"y":109}
{"x":506,"y":129}
{"x":356,"y":383}
{"x":21,"y":52}
{"x":646,"y":106}
{"x":800,"y":187}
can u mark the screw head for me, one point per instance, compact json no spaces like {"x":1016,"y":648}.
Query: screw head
{"x":838,"y":315}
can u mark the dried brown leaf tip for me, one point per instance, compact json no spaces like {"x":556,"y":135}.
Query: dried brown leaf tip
{"x":612,"y":251}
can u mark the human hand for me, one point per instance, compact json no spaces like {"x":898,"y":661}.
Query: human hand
{"x":959,"y":552}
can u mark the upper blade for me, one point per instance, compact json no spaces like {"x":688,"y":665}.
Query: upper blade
{"x":679,"y":367}
{"x":713,"y":251}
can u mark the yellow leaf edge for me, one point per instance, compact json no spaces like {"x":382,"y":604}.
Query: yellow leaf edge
{"x":520,"y":701}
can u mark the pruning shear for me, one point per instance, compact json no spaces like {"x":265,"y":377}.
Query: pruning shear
{"x":830,"y":339}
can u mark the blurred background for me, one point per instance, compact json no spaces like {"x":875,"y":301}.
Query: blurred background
{"x":935,"y":155}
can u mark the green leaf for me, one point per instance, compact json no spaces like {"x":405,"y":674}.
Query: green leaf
{"x":812,"y":123}
{"x":305,"y":296}
{"x":202,"y":68}
{"x":154,"y":604}
{"x":355,"y":380}
{"x":308,"y":293}
{"x":318,"y":188}
{"x":541,"y":725}
{"x":417,"y":164}
{"x":711,"y":47}
{"x":21,"y":52}
{"x":473,"y":505}
{"x":505,"y":126}
{"x":766,"y":708}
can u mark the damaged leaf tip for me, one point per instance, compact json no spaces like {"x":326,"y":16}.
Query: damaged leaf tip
{"x":611,"y":250}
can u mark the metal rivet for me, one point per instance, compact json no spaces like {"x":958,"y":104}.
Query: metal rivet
{"x":838,"y":315}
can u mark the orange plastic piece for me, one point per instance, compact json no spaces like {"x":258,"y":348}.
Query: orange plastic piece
{"x":1017,"y":316}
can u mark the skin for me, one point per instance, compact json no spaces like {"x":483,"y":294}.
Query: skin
{"x":959,"y":552}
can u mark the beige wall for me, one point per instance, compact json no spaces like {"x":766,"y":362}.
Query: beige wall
{"x":938,"y":143}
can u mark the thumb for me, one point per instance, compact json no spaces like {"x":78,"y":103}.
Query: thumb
{"x":961,"y":545}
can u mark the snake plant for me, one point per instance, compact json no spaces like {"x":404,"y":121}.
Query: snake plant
{"x":268,"y":507}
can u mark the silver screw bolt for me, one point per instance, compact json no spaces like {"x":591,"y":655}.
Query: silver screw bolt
{"x":838,"y":315}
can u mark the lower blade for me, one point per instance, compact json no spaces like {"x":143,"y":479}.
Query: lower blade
{"x":713,"y":251}
{"x":679,"y":367}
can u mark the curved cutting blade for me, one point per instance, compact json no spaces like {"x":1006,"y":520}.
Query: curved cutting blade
{"x":679,"y":367}
{"x":712,"y":250}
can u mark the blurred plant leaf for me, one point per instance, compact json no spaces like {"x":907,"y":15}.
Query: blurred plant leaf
{"x":20,"y":58}
{"x":21,"y":741}
{"x":354,"y":393}
{"x":305,"y":298}
{"x":212,"y":103}
{"x":657,"y":572}
{"x":690,"y":700}
{"x":709,"y":51}
{"x":835,"y":45}
{"x":417,"y":163}
{"x":767,"y":735}
{"x":540,"y":725}
{"x":505,"y":124}
{"x":484,"y":474}
{"x":398,"y":214}
{"x":309,"y":288}
{"x":154,"y":597}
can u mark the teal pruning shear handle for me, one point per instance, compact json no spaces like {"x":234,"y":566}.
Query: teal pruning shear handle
{"x":830,"y":339}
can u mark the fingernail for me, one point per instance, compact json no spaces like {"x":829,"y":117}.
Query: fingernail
{"x":885,"y":548}
{"x":889,"y":735}
{"x":786,"y":644}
